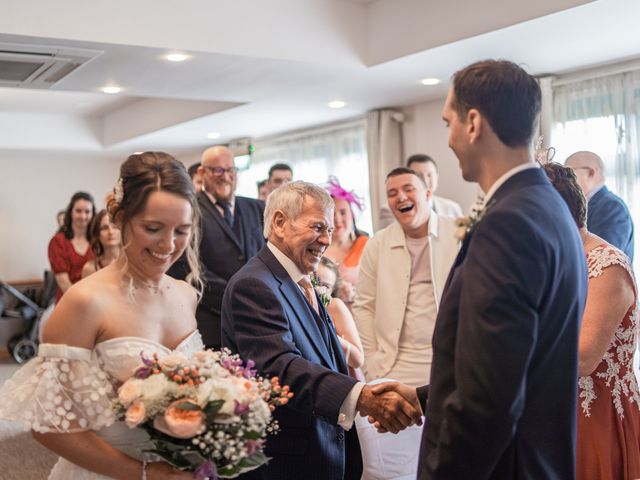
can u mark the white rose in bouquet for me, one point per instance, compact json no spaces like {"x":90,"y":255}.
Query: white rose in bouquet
{"x":173,"y":361}
{"x":157,"y":388}
{"x":130,"y":391}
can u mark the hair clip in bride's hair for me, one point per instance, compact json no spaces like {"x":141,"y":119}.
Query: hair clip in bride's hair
{"x":543,"y":155}
{"x":118,"y":191}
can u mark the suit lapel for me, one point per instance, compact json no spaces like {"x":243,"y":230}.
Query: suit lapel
{"x":206,"y":204}
{"x":302,"y":312}
{"x":522,"y":179}
{"x":336,"y":349}
{"x":304,"y":315}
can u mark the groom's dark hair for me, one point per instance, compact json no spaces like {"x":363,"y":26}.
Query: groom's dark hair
{"x":507,"y":96}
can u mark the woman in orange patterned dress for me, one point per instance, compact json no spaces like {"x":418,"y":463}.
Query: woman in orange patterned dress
{"x":608,"y":442}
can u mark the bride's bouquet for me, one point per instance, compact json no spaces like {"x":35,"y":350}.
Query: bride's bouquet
{"x":208,"y":413}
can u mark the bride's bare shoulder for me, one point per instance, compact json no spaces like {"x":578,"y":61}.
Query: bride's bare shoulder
{"x":76,"y":319}
{"x":73,"y":321}
{"x":186,"y":291}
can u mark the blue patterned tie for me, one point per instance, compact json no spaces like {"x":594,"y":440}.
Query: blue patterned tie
{"x":226,"y":209}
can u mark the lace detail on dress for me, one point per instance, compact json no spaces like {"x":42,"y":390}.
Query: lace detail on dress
{"x":587,"y":393}
{"x":61,"y":390}
{"x":618,"y":359}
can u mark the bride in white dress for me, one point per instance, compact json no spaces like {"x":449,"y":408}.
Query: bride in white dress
{"x":93,"y":340}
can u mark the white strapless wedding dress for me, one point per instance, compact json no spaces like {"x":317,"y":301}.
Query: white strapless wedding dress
{"x":70,"y":389}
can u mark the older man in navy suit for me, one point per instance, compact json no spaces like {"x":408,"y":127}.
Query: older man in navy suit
{"x":503,"y":394}
{"x":272,"y":315}
{"x":607,"y":214}
{"x":231,"y":235}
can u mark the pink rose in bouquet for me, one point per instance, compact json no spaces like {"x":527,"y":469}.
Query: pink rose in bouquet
{"x":182,"y":419}
{"x":135,"y":414}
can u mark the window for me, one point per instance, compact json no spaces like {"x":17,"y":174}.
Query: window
{"x":314,"y":155}
{"x":602,"y":115}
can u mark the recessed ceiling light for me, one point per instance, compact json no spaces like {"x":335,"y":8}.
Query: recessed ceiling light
{"x":430,"y":81}
{"x":111,"y":90}
{"x":213,"y":135}
{"x":336,"y":104}
{"x":177,"y":57}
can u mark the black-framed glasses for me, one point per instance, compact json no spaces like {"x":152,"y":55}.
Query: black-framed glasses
{"x":219,"y":171}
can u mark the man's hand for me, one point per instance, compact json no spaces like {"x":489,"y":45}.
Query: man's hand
{"x":407,"y":392}
{"x":346,"y":292}
{"x":390,"y":409}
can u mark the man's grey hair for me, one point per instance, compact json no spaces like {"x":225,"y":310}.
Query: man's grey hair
{"x":289,"y":199}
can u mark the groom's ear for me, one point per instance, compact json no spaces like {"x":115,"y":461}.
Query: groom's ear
{"x":474,"y":125}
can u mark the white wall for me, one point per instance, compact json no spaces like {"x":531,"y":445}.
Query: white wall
{"x":425,"y":132}
{"x":34,"y":186}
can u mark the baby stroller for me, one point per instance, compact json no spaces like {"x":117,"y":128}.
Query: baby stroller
{"x":24,"y":346}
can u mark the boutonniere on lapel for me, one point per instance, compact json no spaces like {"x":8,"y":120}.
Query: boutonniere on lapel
{"x":321,"y":289}
{"x":465,"y":225}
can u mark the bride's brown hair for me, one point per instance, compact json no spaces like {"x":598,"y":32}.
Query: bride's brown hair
{"x":147,"y":172}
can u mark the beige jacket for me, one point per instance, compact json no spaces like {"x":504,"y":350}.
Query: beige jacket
{"x":383,"y":288}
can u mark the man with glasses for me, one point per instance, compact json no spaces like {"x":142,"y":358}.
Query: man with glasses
{"x":231,"y":235}
{"x":607,"y":215}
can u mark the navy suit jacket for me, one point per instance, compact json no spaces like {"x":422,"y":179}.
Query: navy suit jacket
{"x":223,"y":251}
{"x":608,"y":217}
{"x":503,"y":394}
{"x":266,"y":318}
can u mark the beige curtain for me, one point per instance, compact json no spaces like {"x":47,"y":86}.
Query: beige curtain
{"x":385,"y":152}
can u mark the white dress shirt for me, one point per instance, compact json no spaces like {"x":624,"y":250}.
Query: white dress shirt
{"x":500,"y":181}
{"x":231,"y":202}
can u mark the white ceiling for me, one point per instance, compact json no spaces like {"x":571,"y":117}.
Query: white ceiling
{"x":257,"y":68}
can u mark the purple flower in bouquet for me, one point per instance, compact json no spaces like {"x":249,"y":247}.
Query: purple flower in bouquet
{"x":241,"y":408}
{"x":146,"y":369}
{"x":254,"y":445}
{"x":206,"y":471}
{"x":249,"y":371}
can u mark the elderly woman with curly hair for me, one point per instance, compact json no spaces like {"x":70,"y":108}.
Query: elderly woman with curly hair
{"x":608,"y":444}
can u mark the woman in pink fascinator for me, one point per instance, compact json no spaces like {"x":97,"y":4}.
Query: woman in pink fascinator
{"x":348,"y":242}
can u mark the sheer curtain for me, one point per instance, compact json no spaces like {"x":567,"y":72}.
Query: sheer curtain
{"x":314,"y":154}
{"x":603,"y":115}
{"x":384,"y":142}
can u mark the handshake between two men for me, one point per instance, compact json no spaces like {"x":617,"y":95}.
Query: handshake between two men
{"x":392,"y":406}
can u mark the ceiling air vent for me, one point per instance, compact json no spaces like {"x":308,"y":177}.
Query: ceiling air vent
{"x":39,"y":66}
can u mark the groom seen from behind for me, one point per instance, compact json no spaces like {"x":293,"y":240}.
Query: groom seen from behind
{"x":502,"y":398}
{"x":272,"y":315}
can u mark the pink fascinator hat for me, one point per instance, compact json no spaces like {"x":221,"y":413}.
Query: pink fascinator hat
{"x":336,"y":191}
